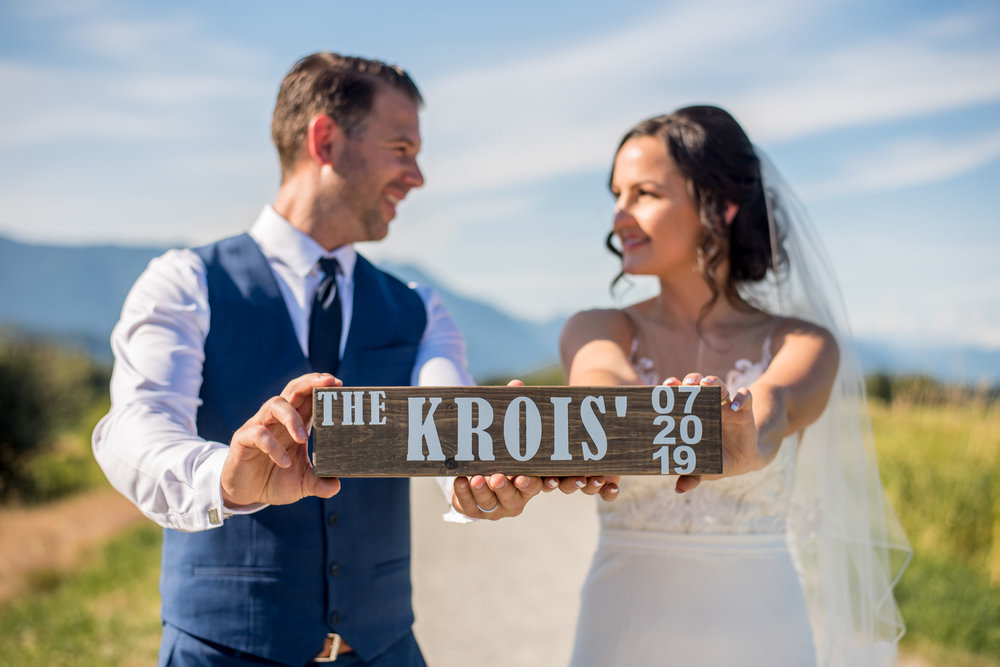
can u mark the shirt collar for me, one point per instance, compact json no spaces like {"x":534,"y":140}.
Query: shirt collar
{"x":281,"y":242}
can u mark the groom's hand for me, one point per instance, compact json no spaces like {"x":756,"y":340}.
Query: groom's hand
{"x":494,"y":497}
{"x":267,"y":461}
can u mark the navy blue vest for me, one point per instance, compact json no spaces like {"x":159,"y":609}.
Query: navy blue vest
{"x":273,"y":583}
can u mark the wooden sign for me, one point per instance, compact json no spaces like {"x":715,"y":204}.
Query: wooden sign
{"x":541,"y":431}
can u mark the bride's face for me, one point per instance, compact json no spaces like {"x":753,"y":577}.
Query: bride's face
{"x":655,"y":218}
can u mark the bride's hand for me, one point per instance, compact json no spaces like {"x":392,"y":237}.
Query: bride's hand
{"x":739,"y":431}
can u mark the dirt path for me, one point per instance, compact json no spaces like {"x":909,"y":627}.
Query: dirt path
{"x":490,"y":593}
{"x":53,"y":537}
{"x":499,"y":593}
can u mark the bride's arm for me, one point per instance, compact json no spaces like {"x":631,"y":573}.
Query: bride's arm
{"x":594,"y":348}
{"x":791,"y":394}
{"x":793,"y":391}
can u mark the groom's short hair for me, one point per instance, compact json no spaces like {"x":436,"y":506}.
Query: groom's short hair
{"x":342,"y":87}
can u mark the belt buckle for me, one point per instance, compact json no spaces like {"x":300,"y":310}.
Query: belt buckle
{"x":335,"y":640}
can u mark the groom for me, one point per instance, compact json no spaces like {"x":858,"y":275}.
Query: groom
{"x":216,"y":355}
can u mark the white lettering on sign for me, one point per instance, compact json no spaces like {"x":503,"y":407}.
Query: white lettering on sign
{"x":327,"y":401}
{"x":474,"y":417}
{"x":594,"y":428}
{"x":560,"y":427}
{"x":682,"y":459}
{"x":378,"y":407}
{"x":532,"y":429}
{"x":423,"y":429}
{"x":353,"y":404}
{"x":466,"y":429}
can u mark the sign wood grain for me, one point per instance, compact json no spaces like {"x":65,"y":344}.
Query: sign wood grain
{"x":543,"y":431}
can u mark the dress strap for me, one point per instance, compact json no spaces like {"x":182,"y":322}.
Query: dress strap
{"x":765,"y":353}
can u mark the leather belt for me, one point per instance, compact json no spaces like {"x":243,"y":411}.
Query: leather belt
{"x":333,"y":647}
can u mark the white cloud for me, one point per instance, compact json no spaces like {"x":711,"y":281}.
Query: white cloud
{"x":153,"y":77}
{"x":872,"y":83}
{"x":132,"y":39}
{"x":908,"y":163}
{"x":186,"y":88}
{"x":561,"y":112}
{"x":56,"y":9}
{"x":941,"y":287}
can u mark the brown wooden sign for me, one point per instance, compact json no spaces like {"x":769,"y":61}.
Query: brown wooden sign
{"x":542,"y":431}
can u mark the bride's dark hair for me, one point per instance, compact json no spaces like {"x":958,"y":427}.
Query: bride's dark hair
{"x":719,"y":163}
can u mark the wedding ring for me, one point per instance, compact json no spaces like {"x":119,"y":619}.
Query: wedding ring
{"x":487,"y":511}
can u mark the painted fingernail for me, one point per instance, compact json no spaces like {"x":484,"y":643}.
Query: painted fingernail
{"x":580,"y":483}
{"x":736,"y":404}
{"x":688,"y":380}
{"x":596,"y":483}
{"x":551,"y":483}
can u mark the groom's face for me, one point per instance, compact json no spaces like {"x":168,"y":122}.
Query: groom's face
{"x":378,"y":165}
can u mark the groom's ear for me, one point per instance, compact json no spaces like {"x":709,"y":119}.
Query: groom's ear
{"x":729,"y":211}
{"x":324,"y":139}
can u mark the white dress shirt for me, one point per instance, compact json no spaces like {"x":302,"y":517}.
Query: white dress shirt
{"x":147,"y":444}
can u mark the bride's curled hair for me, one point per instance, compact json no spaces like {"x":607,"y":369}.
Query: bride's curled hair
{"x":721,"y":167}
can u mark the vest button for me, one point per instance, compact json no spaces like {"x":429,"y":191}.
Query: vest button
{"x":334,"y":619}
{"x":335,"y":570}
{"x":332,"y":519}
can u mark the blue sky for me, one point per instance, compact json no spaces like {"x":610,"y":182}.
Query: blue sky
{"x":148,"y":123}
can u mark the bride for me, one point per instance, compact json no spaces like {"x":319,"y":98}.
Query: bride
{"x":788,"y":557}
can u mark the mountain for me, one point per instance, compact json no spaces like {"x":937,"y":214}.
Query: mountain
{"x":959,"y":364}
{"x":70,"y":293}
{"x":498,"y":344}
{"x":75,"y":294}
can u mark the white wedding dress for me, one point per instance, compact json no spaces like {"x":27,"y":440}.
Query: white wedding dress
{"x":701,"y":578}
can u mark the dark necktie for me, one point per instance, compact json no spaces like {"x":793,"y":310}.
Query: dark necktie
{"x":326,"y":320}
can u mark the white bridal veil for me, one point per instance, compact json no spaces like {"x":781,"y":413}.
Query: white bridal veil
{"x":844,"y":533}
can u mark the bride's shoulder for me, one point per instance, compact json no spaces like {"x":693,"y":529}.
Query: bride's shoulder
{"x":794,"y":330}
{"x":610,"y":323}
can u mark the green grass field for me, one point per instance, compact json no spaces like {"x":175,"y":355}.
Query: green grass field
{"x":106,"y":613}
{"x":940,"y":464}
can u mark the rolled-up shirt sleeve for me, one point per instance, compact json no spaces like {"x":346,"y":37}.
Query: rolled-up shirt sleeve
{"x":147,"y":444}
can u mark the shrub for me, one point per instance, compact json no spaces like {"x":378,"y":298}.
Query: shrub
{"x":45,"y":389}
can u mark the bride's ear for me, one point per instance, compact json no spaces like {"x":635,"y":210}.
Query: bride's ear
{"x":729,"y":211}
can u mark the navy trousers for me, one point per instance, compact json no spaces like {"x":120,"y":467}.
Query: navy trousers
{"x":179,"y":649}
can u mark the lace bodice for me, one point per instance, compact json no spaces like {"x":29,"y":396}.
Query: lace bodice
{"x":756,"y":502}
